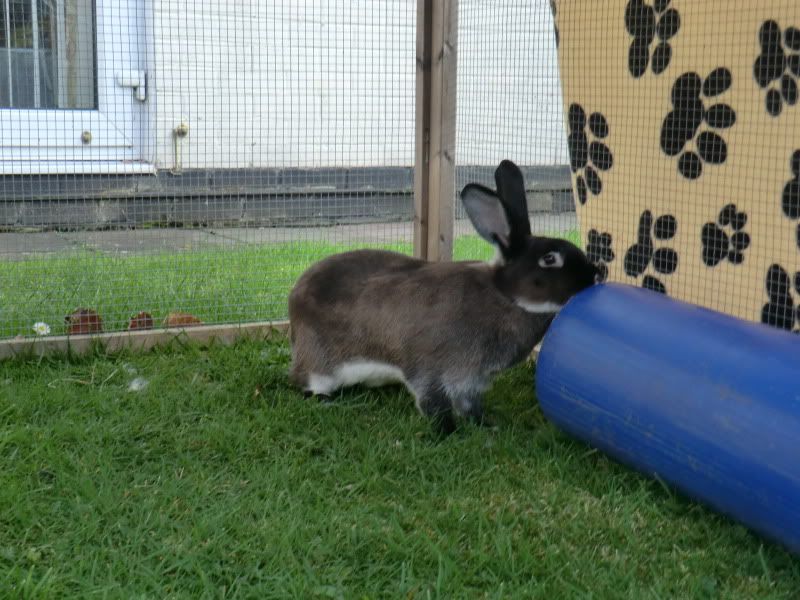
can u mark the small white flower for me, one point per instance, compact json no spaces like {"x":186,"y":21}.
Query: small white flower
{"x":41,"y":328}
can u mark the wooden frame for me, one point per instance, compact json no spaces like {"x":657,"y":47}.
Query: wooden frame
{"x":141,"y":340}
{"x":434,"y":172}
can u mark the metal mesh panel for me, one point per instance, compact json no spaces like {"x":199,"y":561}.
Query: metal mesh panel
{"x":176,"y":157}
{"x":185,"y":157}
{"x":510,"y":106}
{"x":674,"y":126}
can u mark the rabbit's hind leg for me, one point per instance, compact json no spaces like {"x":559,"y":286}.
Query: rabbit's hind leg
{"x":433,"y":402}
{"x":467,"y":399}
{"x":321,"y":385}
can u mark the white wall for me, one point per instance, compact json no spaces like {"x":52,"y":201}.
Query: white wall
{"x":509,"y":92}
{"x":316,"y":83}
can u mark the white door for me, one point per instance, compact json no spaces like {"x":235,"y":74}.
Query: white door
{"x":73,"y":86}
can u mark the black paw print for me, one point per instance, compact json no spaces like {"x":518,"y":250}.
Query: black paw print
{"x":780,"y":310}
{"x":599,"y":251}
{"x":681,"y":124}
{"x":644,"y":23}
{"x":586,"y":158}
{"x":639,"y":256}
{"x":790,"y":201}
{"x":778,"y":55}
{"x":553,"y":9}
{"x":719,"y":244}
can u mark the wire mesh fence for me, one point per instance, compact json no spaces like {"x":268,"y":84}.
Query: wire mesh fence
{"x":683,"y":132}
{"x":176,"y":160}
{"x":510,"y":106}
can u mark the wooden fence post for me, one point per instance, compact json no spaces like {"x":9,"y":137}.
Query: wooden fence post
{"x":434,"y":173}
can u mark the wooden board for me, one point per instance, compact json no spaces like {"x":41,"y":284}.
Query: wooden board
{"x":140,"y":340}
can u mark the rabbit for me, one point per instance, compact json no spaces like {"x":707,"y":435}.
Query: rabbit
{"x":442,"y":329}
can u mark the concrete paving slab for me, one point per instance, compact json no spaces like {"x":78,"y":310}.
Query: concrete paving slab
{"x":17,"y":246}
{"x":146,"y":241}
{"x":21,"y":246}
{"x":376,"y":233}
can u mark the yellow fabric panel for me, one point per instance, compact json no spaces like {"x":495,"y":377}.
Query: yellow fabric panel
{"x":717,"y":38}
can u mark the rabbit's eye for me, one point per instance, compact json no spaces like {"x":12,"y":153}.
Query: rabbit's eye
{"x":552,"y":260}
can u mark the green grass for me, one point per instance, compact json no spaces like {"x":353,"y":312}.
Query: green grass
{"x":217,"y":480}
{"x":219,"y":285}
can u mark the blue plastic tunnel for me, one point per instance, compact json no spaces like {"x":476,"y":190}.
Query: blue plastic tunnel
{"x":707,"y":402}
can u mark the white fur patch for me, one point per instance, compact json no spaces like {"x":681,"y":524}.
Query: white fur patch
{"x":368,"y":372}
{"x":321,"y":385}
{"x":466,"y":392}
{"x":537,"y":307}
{"x":469,"y":385}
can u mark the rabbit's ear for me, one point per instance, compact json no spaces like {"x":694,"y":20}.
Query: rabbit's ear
{"x":511,"y":189}
{"x":487,"y":215}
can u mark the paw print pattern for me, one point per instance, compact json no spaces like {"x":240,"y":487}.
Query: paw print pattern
{"x":586,"y":157}
{"x":790,"y":200}
{"x":640,"y":256}
{"x":599,"y":251}
{"x":779,"y":61}
{"x":680,"y":126}
{"x":645,"y":23}
{"x":725,"y":238}
{"x":780,"y":311}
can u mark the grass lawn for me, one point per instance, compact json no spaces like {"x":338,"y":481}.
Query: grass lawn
{"x":236,"y":284}
{"x":217,"y":480}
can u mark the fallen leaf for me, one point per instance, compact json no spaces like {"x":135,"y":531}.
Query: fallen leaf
{"x":83,"y":320}
{"x":180,"y":319}
{"x":142,"y":320}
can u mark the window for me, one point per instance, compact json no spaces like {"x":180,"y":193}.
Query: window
{"x":47,"y":54}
